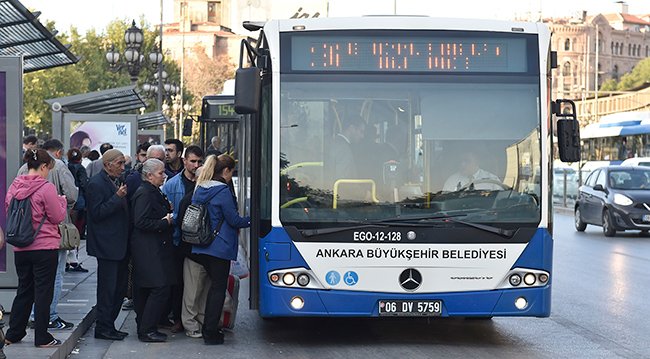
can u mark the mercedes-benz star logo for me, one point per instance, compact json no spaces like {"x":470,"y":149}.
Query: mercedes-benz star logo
{"x":410,"y":279}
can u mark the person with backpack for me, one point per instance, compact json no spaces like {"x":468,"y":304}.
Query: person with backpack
{"x":212,"y":190}
{"x":36,"y":240}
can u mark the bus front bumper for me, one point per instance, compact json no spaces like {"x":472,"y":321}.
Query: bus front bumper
{"x":336,"y":303}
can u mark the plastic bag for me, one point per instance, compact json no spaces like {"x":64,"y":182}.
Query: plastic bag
{"x":239,"y":267}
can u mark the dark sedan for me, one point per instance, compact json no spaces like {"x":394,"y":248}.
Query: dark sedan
{"x":616,"y":198}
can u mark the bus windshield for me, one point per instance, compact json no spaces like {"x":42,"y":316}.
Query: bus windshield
{"x":371,"y":150}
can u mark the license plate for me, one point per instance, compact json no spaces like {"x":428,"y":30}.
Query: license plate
{"x":410,"y":308}
{"x":646,"y":218}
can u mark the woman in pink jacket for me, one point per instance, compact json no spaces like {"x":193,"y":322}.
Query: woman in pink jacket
{"x":36,"y":264}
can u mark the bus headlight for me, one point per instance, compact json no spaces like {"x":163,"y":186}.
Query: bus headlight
{"x":622,"y":200}
{"x":529,"y":279}
{"x":543,"y":278}
{"x":297,"y":303}
{"x":303,"y":279}
{"x":521,"y":303}
{"x":515,"y":280}
{"x":289,"y":278}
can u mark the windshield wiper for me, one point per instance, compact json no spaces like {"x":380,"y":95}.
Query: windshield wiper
{"x":422,"y":219}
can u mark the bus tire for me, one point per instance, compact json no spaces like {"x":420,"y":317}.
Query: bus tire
{"x":608,"y":225}
{"x":580,"y":225}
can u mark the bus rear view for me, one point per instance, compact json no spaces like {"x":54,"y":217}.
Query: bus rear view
{"x":403,"y":172}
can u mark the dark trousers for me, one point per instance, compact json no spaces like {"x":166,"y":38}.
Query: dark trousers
{"x":176,"y":298}
{"x":149,"y":305}
{"x":111,"y":288}
{"x":218,"y":270}
{"x":36,"y":272}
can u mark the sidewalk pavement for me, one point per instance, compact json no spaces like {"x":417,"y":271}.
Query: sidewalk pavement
{"x":76,"y":305}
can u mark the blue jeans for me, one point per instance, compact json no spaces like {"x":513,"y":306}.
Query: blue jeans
{"x":58,"y":284}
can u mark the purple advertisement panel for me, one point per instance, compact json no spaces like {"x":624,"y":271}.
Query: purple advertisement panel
{"x":3,"y":166}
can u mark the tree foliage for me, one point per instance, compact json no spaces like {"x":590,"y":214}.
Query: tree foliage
{"x":635,"y":78}
{"x":204,"y":75}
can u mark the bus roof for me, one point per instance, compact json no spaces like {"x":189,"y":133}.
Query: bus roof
{"x":619,"y":124}
{"x":407,"y":23}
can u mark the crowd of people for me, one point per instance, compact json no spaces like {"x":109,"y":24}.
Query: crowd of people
{"x":130,"y":216}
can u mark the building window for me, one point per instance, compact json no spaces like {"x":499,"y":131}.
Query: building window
{"x":646,"y":51}
{"x":616,"y":49}
{"x":566,"y":69}
{"x":567,"y":44}
{"x":612,"y":47}
{"x":214,"y":11}
{"x":629,"y":49}
{"x":615,"y":72}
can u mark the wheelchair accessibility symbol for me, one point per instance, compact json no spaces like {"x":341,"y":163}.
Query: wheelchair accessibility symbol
{"x":333,"y":277}
{"x":350,"y":278}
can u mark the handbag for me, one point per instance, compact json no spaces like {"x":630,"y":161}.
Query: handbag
{"x":70,"y":238}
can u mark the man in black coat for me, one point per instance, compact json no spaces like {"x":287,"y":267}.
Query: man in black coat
{"x":108,"y":225}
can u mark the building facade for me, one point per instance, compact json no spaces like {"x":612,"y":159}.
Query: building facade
{"x":594,"y":49}
{"x":216,"y":25}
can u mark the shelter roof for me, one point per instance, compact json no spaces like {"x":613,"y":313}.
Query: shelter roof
{"x":116,"y":100}
{"x":152,"y":119}
{"x":22,"y":34}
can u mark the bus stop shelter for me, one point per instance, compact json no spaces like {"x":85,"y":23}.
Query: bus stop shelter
{"x":90,"y":119}
{"x":25,"y":46}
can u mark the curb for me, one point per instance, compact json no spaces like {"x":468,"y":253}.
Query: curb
{"x":70,"y":342}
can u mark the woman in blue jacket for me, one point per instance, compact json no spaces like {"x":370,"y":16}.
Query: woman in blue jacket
{"x":212,"y":188}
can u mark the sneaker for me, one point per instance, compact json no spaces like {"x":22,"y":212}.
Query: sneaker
{"x":127,"y":305}
{"x":61,"y":324}
{"x":194,"y":334}
{"x":78,"y":268}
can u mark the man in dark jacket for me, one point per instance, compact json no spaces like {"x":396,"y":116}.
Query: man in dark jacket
{"x":108,"y":226}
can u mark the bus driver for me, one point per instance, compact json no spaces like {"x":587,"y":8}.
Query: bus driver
{"x":470,"y":173}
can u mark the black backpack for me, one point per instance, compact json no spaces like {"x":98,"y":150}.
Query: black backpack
{"x":196,"y":226}
{"x":20,"y":232}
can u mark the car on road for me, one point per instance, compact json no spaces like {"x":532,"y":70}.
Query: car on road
{"x":637,"y":161}
{"x":616,"y":198}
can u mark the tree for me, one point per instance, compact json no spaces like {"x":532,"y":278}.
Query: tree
{"x":635,"y":78}
{"x":205,"y":76}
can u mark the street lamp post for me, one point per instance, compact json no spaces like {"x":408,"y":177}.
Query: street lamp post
{"x":134,"y":59}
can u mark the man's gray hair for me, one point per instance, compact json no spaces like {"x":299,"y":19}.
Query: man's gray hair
{"x":150,"y":166}
{"x":157,"y":149}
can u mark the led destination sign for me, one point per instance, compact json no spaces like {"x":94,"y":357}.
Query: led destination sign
{"x":408,"y":54}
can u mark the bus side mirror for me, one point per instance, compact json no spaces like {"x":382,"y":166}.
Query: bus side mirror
{"x":248,"y":85}
{"x":568,"y":140}
{"x":187,"y":127}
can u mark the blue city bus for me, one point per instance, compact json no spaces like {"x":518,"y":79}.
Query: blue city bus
{"x":401,"y":166}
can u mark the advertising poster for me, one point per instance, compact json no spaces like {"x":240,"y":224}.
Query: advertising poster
{"x":3,"y":165}
{"x":94,"y":133}
{"x":154,"y":137}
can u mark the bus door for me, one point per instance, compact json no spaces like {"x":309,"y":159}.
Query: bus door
{"x":220,"y":122}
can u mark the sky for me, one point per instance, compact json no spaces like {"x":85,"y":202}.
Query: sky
{"x":85,"y":14}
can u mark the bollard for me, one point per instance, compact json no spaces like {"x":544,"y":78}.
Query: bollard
{"x":564,"y":189}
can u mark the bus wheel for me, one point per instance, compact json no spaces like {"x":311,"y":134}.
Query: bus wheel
{"x":580,"y":225}
{"x":608,"y":226}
